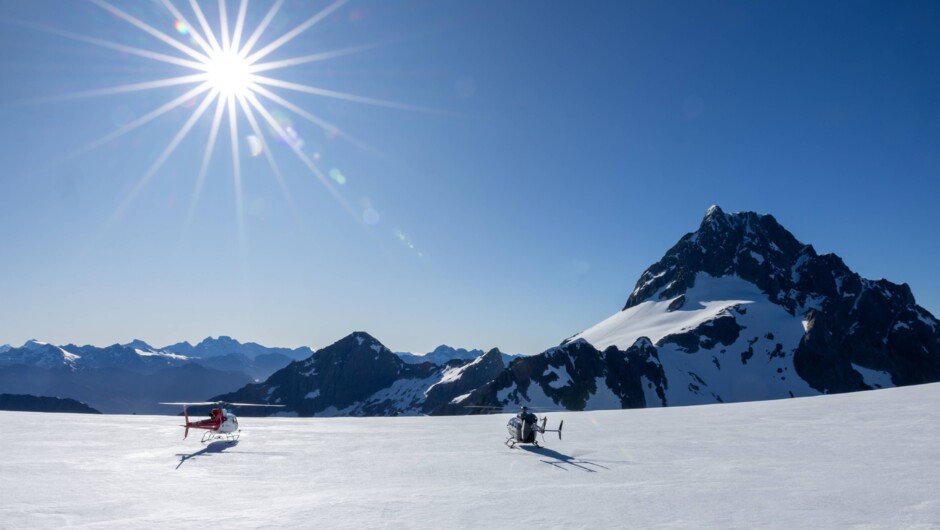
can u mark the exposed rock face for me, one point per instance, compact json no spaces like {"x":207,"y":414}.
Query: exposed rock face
{"x":461,"y":380}
{"x":573,"y":376}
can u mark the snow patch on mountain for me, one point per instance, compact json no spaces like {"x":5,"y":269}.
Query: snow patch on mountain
{"x":709,"y":298}
{"x":649,"y":392}
{"x":69,"y":357}
{"x":561,"y":376}
{"x":874,"y":378}
{"x":33,"y":344}
{"x":166,"y":355}
{"x":755,"y":364}
{"x":532,"y":396}
{"x":453,"y":373}
{"x":405,"y":396}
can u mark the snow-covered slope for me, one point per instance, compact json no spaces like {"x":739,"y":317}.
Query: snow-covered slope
{"x":40,"y":354}
{"x":137,"y":356}
{"x":866,"y":460}
{"x":740,"y":310}
{"x":728,"y":342}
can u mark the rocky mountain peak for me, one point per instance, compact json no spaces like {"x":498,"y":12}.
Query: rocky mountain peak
{"x":222,"y":341}
{"x":741,"y":287}
{"x":752,"y":246}
{"x":138,"y":344}
{"x":33,"y":344}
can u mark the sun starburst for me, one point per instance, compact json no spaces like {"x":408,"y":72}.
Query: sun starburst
{"x":225,"y":69}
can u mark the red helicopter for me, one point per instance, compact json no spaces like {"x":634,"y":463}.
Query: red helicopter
{"x":222,"y":423}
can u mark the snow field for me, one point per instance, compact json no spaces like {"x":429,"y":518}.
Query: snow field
{"x":857,"y":460}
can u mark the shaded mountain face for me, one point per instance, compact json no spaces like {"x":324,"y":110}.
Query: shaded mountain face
{"x":28,"y":403}
{"x":741,"y":310}
{"x":573,"y":376}
{"x":459,"y":380}
{"x":358,"y":376}
{"x":258,"y":368}
{"x":119,"y":390}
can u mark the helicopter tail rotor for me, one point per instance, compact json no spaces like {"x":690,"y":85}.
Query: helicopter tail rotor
{"x":558,"y":430}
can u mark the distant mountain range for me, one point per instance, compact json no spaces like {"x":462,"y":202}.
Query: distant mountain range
{"x":226,"y":346}
{"x":445,"y":353}
{"x":738,"y":310}
{"x":134,"y":377}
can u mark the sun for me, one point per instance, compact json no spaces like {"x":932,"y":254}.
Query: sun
{"x":228,"y":73}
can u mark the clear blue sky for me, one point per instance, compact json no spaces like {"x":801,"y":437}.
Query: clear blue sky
{"x":564,"y":148}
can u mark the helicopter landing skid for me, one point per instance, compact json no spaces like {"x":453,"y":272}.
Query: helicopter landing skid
{"x":212,"y":436}
{"x":512,"y":443}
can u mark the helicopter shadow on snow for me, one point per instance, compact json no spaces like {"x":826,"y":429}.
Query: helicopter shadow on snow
{"x":210,"y":449}
{"x":562,"y":461}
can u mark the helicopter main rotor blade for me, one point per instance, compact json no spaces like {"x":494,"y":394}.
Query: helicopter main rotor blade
{"x":195,"y":403}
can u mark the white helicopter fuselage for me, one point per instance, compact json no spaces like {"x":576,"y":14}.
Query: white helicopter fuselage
{"x":229,"y":423}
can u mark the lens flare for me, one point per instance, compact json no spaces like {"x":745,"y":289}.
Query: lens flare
{"x":255,"y":146}
{"x":181,"y":27}
{"x":284,"y":130}
{"x":370,"y":217}
{"x":337,"y":176}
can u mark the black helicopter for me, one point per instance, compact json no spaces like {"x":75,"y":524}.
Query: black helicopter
{"x":524,"y":426}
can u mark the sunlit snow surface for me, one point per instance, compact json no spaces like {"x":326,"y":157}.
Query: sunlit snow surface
{"x":856,"y":460}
